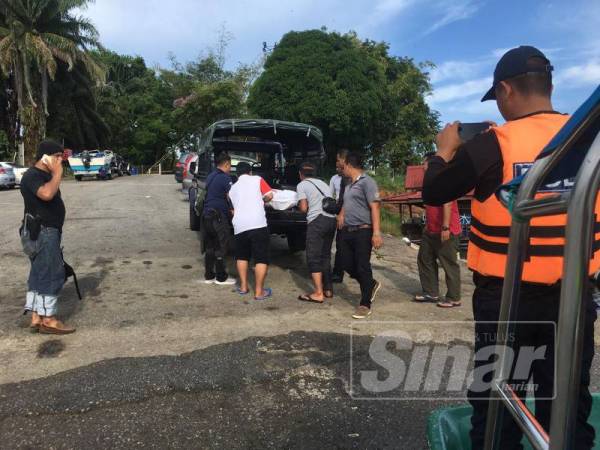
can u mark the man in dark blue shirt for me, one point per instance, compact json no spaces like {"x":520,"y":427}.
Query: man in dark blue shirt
{"x":215,"y":222}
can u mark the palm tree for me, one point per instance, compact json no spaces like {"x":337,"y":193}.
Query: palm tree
{"x":34,"y":36}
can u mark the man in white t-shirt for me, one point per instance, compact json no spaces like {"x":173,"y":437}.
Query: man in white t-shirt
{"x":248,"y":196}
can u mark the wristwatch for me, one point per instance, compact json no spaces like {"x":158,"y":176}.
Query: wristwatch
{"x":445,"y":228}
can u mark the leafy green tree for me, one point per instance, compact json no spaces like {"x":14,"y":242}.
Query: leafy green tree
{"x":323,"y":79}
{"x":359,"y":95}
{"x":73,"y":114}
{"x":34,"y":37}
{"x":137,"y":106}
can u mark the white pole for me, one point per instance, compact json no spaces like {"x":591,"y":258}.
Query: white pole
{"x":160,"y":168}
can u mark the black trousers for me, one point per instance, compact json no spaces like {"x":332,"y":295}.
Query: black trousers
{"x":216,"y":241}
{"x":338,"y":264}
{"x":538,"y":303}
{"x":356,"y":255}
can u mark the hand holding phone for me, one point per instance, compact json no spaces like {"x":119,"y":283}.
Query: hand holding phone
{"x":53,"y":164}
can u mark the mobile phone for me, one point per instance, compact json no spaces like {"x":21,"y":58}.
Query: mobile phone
{"x":468,"y":131}
{"x":46,"y":159}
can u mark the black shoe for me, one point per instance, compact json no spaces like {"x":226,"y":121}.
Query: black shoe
{"x":337,"y":278}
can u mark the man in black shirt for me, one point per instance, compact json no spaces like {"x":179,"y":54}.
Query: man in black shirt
{"x":41,"y":194}
{"x":215,"y":222}
{"x":338,"y":185}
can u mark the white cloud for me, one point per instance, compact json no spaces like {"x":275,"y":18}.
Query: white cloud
{"x":580,"y":75}
{"x":456,"y":70}
{"x":459,"y":91}
{"x":385,"y":10}
{"x":453,"y":11}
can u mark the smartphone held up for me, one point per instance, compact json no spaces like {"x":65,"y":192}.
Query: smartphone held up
{"x":468,"y":131}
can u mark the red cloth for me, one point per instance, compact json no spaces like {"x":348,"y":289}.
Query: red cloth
{"x":434,"y":216}
{"x":264,"y":187}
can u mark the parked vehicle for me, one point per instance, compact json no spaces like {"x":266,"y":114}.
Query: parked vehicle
{"x":93,"y":163}
{"x":179,"y":167}
{"x":119,"y":166}
{"x":19,"y":170}
{"x":7,"y":176}
{"x":189,"y":169}
{"x":275,"y":150}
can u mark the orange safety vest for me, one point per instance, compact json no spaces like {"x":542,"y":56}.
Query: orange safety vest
{"x":520,"y":143}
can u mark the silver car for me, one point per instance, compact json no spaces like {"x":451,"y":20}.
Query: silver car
{"x":19,"y":171}
{"x":7,"y":176}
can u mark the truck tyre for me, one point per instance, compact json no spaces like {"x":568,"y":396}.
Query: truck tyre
{"x":296,"y":241}
{"x":194,"y":219}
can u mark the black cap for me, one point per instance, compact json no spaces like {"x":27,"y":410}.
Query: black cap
{"x":48,"y":147}
{"x":513,"y":63}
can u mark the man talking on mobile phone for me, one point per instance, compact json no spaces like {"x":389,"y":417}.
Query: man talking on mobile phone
{"x":522,"y":89}
{"x":41,"y":194}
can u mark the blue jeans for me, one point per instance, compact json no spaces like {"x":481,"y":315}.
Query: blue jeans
{"x":47,"y":275}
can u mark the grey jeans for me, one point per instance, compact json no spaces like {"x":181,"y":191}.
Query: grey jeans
{"x":319,"y":238}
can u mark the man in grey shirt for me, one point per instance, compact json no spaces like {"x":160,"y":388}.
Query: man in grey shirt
{"x":319,"y":233}
{"x":360,"y":222}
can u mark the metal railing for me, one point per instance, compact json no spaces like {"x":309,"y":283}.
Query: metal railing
{"x":579,"y":206}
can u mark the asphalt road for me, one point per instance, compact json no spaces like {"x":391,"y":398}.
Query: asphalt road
{"x":160,"y":360}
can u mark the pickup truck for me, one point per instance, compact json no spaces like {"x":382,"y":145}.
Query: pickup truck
{"x":275,"y":149}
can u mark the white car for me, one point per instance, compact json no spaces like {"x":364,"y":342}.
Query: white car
{"x":7,"y":176}
{"x":19,"y":171}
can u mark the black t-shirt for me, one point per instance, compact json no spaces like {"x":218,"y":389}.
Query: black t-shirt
{"x":52,"y":212}
{"x":477,"y":165}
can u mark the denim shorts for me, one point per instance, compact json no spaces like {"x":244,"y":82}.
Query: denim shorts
{"x":47,"y":275}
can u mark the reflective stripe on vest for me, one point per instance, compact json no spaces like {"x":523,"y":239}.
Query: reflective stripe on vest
{"x":520,"y":142}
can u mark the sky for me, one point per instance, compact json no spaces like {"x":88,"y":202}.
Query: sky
{"x":463,"y":38}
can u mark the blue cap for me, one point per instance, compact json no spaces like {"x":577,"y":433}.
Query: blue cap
{"x":514,"y":63}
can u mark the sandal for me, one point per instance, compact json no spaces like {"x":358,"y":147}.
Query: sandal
{"x":267,"y":292}
{"x":308,"y":298}
{"x":448,"y":304}
{"x":239,"y":291}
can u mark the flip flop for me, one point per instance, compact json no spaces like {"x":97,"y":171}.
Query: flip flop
{"x":239,"y":291}
{"x":267,"y":292}
{"x":448,"y":304}
{"x":308,"y":298}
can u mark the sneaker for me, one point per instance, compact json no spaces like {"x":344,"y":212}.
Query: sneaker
{"x":424,"y":298}
{"x":208,"y":281}
{"x":228,"y":282}
{"x":362,"y":312}
{"x":376,"y":288}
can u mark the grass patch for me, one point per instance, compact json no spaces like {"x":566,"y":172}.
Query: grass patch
{"x":390,"y":222}
{"x":388,"y":181}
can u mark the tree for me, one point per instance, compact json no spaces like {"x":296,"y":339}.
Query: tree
{"x":34,"y":37}
{"x":359,"y":95}
{"x":73,"y":113}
